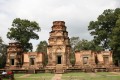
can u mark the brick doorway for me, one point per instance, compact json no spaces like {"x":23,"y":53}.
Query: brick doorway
{"x":12,"y":61}
{"x":32,"y":61}
{"x":59,"y":59}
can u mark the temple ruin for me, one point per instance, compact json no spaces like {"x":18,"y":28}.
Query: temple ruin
{"x":14,"y":55}
{"x":58,"y":52}
{"x":93,"y":59}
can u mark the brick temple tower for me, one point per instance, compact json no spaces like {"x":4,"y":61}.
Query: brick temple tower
{"x":14,"y":56}
{"x":59,"y":48}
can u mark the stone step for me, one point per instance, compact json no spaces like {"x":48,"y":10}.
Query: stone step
{"x":59,"y":69}
{"x":31,"y":71}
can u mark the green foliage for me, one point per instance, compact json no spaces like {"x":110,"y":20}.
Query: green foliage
{"x":87,"y":45}
{"x":115,"y":40}
{"x":42,"y":47}
{"x":72,"y":58}
{"x":102,"y":28}
{"x":83,"y":44}
{"x":115,"y":36}
{"x":3,"y":51}
{"x":23,"y":31}
{"x":73,"y":42}
{"x":106,"y":30}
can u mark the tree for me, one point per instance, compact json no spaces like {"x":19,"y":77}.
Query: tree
{"x":23,"y":31}
{"x":102,"y":29}
{"x":87,"y":45}
{"x":3,"y":51}
{"x":115,"y":42}
{"x":73,"y":42}
{"x":42,"y":47}
{"x":106,"y":30}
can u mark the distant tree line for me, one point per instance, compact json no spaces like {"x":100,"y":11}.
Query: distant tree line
{"x":3,"y":51}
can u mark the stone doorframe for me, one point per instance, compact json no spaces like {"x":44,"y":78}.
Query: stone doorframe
{"x":59,"y":59}
{"x":33,"y":58}
{"x":85,"y":60}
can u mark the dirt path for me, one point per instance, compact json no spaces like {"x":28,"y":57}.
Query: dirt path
{"x":92,"y":74}
{"x":57,"y":77}
{"x":118,"y":73}
{"x":24,"y":76}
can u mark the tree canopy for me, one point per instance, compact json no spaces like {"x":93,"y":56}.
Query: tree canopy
{"x":73,"y":42}
{"x":23,"y":31}
{"x":102,"y":28}
{"x":3,"y":51}
{"x":78,"y":44}
{"x":42,"y":47}
{"x":87,"y":45}
{"x":106,"y":30}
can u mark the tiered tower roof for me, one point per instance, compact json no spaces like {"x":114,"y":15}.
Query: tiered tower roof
{"x":58,"y":35}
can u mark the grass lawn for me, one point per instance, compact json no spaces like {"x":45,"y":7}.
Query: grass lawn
{"x":90,"y":76}
{"x":40,"y":76}
{"x":18,"y":75}
{"x":70,"y":76}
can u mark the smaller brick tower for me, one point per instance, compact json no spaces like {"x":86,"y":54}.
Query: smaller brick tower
{"x":14,"y":56}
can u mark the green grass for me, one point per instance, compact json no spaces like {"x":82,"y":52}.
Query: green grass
{"x":104,"y":78}
{"x":91,"y":76}
{"x":76,"y":74}
{"x":71,"y":76}
{"x":18,"y":75}
{"x":33,"y":78}
{"x":40,"y":76}
{"x":104,"y":73}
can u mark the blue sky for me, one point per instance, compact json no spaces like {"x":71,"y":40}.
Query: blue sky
{"x":76,"y":13}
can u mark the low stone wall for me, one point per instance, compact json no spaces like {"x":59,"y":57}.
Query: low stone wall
{"x":100,"y":70}
{"x":50,"y":70}
{"x":73,"y":70}
{"x":116,"y":69}
{"x":40,"y":71}
{"x":96,"y":69}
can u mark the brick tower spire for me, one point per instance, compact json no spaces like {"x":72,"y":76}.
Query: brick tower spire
{"x":59,"y":46}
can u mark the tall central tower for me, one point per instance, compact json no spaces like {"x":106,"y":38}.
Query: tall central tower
{"x":59,"y":46}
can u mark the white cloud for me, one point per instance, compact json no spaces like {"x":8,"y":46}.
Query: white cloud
{"x":76,"y":13}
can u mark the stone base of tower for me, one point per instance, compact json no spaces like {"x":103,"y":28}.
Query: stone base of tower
{"x":59,"y":68}
{"x":12,"y":67}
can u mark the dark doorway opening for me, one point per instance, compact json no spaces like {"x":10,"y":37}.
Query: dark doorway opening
{"x":96,"y":60}
{"x":58,"y":59}
{"x":32,"y":61}
{"x":12,"y":61}
{"x":116,"y":62}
